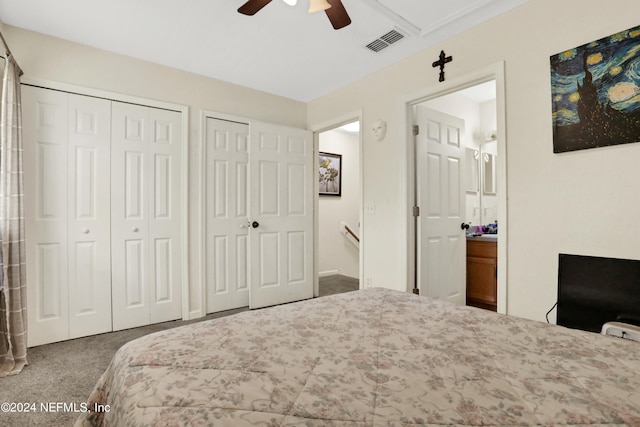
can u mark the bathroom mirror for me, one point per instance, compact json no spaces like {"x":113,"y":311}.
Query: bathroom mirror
{"x":489,"y":173}
{"x":472,"y":159}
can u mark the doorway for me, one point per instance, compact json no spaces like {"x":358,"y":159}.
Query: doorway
{"x":338,"y":219}
{"x":487,"y":204}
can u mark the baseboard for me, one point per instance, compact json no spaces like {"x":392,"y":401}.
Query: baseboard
{"x":328,"y":273}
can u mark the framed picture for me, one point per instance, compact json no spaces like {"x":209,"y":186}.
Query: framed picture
{"x":330,"y":175}
{"x":595,"y":90}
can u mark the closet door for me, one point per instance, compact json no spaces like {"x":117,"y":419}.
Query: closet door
{"x":66,"y":162}
{"x":258,"y":213}
{"x":226,"y":214}
{"x":281,"y":213}
{"x":164,"y":215}
{"x":89,"y":235}
{"x":45,"y":127}
{"x":145,"y":215}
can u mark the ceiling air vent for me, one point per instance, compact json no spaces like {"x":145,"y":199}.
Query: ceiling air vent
{"x":385,"y":40}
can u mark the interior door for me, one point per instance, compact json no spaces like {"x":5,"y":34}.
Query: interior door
{"x":89,"y":228}
{"x":129,"y":213}
{"x":441,"y":242}
{"x":226,"y":214}
{"x":145,"y":215}
{"x":45,"y":127}
{"x":165,"y":147}
{"x":281,"y":214}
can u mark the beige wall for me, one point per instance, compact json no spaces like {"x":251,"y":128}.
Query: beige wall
{"x":59,"y":61}
{"x":582,"y":202}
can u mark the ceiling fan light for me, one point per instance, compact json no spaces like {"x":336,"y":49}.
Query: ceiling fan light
{"x":318,"y":5}
{"x":290,"y":2}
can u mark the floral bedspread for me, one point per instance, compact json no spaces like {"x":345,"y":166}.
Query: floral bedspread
{"x":374,"y":357}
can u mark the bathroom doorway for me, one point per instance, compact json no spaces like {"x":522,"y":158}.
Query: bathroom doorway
{"x":479,"y":101}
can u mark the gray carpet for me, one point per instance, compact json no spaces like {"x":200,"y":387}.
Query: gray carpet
{"x":66,"y":372}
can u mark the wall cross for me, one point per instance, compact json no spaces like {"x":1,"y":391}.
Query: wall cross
{"x":440,"y":63}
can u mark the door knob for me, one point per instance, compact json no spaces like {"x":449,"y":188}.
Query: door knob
{"x":134,"y":229}
{"x":255,"y":224}
{"x":464,"y":226}
{"x":85,"y":230}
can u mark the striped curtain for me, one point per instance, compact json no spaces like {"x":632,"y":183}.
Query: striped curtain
{"x":13,"y":302}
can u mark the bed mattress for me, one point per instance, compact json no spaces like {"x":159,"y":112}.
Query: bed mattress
{"x":373,"y":357}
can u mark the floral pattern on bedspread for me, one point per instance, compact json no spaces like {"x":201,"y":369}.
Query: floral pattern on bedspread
{"x":374,"y":357}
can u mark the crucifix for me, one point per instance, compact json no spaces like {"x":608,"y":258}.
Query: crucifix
{"x":440,"y":63}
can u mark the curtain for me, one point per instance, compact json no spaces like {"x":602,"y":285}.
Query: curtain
{"x":13,"y":302}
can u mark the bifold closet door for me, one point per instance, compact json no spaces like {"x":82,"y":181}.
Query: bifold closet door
{"x":66,"y":159}
{"x":145,"y":215}
{"x":89,"y":233}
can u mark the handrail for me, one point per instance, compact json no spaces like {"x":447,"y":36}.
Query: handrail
{"x":346,"y":227}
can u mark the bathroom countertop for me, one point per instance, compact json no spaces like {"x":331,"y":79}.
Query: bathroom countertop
{"x":484,"y":238}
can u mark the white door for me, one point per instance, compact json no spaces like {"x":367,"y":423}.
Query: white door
{"x":145,"y":215}
{"x":226,"y":215}
{"x":441,"y":198}
{"x":45,"y":125}
{"x":89,"y":230}
{"x":281,"y":214}
{"x":66,"y":158}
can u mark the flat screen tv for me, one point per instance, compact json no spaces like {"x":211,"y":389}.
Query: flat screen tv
{"x":595,"y":290}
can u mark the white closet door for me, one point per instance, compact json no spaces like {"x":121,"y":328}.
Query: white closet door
{"x":89,"y":233}
{"x":164,"y":215}
{"x":281,"y":185}
{"x":226,"y":213}
{"x":145,"y":215}
{"x":45,"y":197}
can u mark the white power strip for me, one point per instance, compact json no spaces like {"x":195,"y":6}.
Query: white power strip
{"x":621,"y":330}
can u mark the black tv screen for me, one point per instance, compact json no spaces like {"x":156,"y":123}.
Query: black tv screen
{"x":595,"y":290}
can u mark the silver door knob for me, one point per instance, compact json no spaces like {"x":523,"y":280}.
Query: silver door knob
{"x":85,"y":230}
{"x":134,"y":229}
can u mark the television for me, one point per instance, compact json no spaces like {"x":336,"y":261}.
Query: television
{"x":594,"y":290}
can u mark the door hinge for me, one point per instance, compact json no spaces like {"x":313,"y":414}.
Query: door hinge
{"x":416,"y":130}
{"x":416,"y":211}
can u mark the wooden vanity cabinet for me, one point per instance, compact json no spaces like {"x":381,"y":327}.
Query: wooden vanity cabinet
{"x":482,"y":274}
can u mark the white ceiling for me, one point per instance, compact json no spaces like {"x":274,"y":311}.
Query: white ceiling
{"x":280,"y":50}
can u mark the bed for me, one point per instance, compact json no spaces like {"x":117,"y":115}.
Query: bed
{"x":373,"y":357}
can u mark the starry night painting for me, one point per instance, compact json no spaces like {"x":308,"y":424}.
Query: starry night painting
{"x":595,"y":91}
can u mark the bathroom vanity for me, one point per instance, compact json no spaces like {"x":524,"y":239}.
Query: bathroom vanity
{"x":482,"y":271}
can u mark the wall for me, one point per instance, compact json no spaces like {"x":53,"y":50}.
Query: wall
{"x":337,"y":253}
{"x":581,"y":202}
{"x":56,"y":60}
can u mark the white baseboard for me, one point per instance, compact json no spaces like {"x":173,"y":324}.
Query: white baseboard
{"x":328,"y":273}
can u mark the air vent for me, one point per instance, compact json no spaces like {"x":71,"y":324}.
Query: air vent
{"x":385,"y":40}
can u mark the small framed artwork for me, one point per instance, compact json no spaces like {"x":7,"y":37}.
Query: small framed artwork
{"x":330,"y":175}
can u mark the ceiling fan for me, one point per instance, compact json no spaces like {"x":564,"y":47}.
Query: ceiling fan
{"x":334,"y":9}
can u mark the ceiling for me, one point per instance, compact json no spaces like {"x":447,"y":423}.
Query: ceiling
{"x":280,"y":50}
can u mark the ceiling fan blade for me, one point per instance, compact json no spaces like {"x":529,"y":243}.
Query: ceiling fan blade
{"x":337,"y":14}
{"x":253,"y":6}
